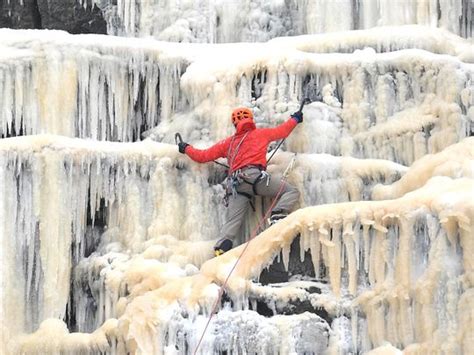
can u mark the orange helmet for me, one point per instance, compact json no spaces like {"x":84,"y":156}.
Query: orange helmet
{"x":240,"y":114}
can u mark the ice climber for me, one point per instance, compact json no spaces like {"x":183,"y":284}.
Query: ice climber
{"x":246,"y":152}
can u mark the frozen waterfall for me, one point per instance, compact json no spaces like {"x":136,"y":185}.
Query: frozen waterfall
{"x":217,"y":21}
{"x":106,"y":231}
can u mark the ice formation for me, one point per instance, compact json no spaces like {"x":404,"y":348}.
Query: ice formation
{"x":369,"y":98}
{"x":257,"y":20}
{"x":106,"y":237}
{"x":133,"y":189}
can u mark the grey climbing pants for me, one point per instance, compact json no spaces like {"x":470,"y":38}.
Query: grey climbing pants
{"x":239,"y":204}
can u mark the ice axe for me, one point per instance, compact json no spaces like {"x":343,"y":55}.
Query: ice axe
{"x":303,"y":102}
{"x":177,"y":138}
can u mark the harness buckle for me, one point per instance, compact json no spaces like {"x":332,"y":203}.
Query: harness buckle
{"x":265,"y":175}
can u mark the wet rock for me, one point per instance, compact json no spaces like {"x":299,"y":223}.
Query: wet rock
{"x":67,"y":15}
{"x":13,"y":14}
{"x":276,"y":272}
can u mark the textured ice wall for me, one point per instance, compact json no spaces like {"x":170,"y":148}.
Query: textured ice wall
{"x":52,"y":187}
{"x":402,"y":267}
{"x":398,"y":105}
{"x":135,"y":257}
{"x":399,"y":269}
{"x":82,"y":86}
{"x":357,"y":243}
{"x":258,"y":20}
{"x":59,"y":193}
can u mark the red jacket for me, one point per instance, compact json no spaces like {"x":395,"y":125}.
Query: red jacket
{"x":248,"y":146}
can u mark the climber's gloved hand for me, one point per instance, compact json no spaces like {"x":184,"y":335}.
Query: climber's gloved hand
{"x":297,"y":116}
{"x":182,"y":147}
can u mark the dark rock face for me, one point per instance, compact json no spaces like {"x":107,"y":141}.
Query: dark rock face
{"x":277,"y":274}
{"x":67,"y":15}
{"x":15,"y":15}
{"x":276,"y":271}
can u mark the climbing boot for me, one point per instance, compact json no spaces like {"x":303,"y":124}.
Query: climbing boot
{"x":223,"y":245}
{"x":276,"y":216}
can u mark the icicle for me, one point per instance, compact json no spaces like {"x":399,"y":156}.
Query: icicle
{"x":351,"y":253}
{"x":55,"y":239}
{"x":315,"y":248}
{"x":253,"y":304}
{"x":367,"y":243}
{"x":335,"y":259}
{"x":286,"y":256}
{"x":403,"y":262}
{"x":354,"y":328}
{"x":304,"y":242}
{"x":379,"y":251}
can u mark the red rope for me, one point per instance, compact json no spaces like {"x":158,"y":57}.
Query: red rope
{"x":252,"y":235}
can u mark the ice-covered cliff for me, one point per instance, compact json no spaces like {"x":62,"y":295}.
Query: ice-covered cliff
{"x":106,"y":231}
{"x":258,"y":20}
{"x":395,"y":93}
{"x":218,"y":21}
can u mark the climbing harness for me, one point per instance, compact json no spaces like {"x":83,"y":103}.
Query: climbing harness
{"x":238,"y":177}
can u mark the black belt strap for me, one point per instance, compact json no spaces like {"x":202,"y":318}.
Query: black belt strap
{"x":254,"y":184}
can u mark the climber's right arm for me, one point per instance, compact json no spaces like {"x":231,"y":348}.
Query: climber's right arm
{"x":218,"y":150}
